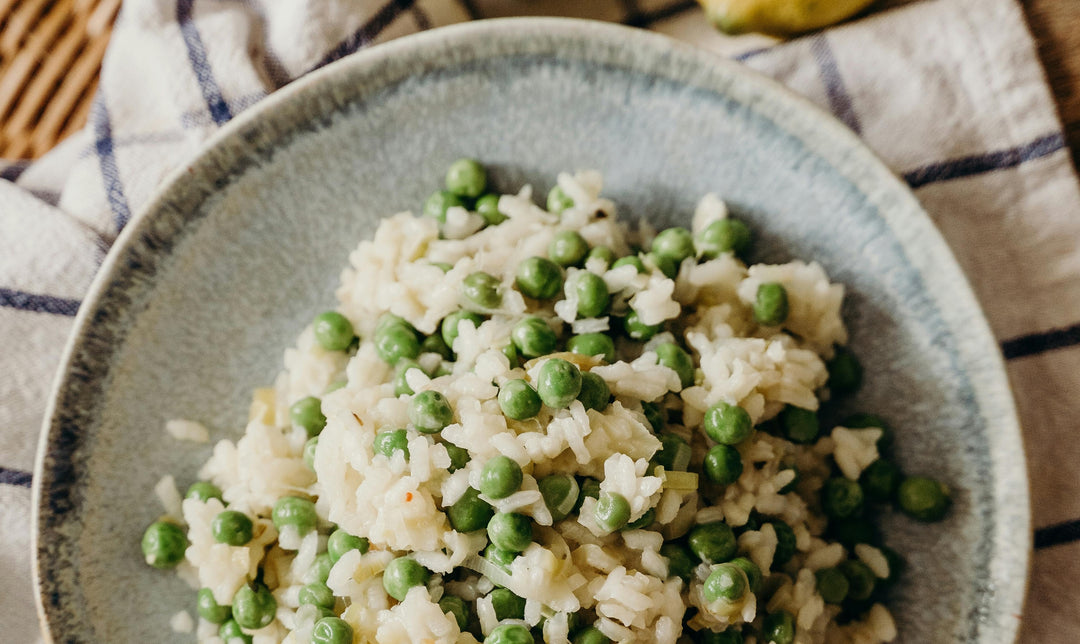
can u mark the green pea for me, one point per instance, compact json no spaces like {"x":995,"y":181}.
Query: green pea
{"x":401,"y":383}
{"x":203,"y":491}
{"x":771,"y":304}
{"x":590,"y":489}
{"x":751,"y":570}
{"x":864,"y":421}
{"x":434,"y":343}
{"x":674,"y":454}
{"x":642,"y":522}
{"x":451,"y":321}
{"x":612,"y":511}
{"x":559,"y":383}
{"x":832,"y":585}
{"x":488,"y":208}
{"x":723,"y":236}
{"x":590,"y":635}
{"x":510,"y":531}
{"x":594,"y":393}
{"x":676,"y":244}
{"x":923,"y":498}
{"x":666,"y":265}
{"x":307,"y":413}
{"x":723,"y":464}
{"x":334,"y":386}
{"x":388,"y":320}
{"x":482,"y":289}
{"x":558,"y":201}
{"x":309,"y":452}
{"x":533,"y":337}
{"x":845,"y":372}
{"x":439,"y":202}
{"x":332,"y":630}
{"x":499,"y":557}
{"x":593,"y":344}
{"x":231,"y":527}
{"x":678,"y":360}
{"x":728,"y":424}
{"x":603,"y":253}
{"x":341,"y":542}
{"x":253,"y":606}
{"x":397,"y":342}
{"x":401,"y":574}
{"x":317,"y":594}
{"x":778,"y":628}
{"x":511,"y":353}
{"x":454,"y":605}
{"x":860,"y":578}
{"x":500,"y":477}
{"x":518,"y":400}
{"x":568,"y":248}
{"x":333,"y":331}
{"x":208,"y":608}
{"x":592,"y":293}
{"x":713,"y":542}
{"x":389,"y":441}
{"x":854,"y":530}
{"x":507,"y":605}
{"x":725,"y":581}
{"x":459,"y":456}
{"x":442,"y":266}
{"x":630,"y":260}
{"x":655,"y":415}
{"x":470,"y":512}
{"x":320,"y":570}
{"x":560,"y":492}
{"x":800,"y":425}
{"x":841,"y":498}
{"x":230,"y":630}
{"x":466,"y":178}
{"x":731,"y":635}
{"x":638,"y":330}
{"x":430,"y":412}
{"x":539,"y":278}
{"x":680,"y":563}
{"x":785,"y":543}
{"x":294,"y":511}
{"x":880,"y":480}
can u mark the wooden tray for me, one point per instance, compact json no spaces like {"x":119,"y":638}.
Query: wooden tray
{"x":50,"y":54}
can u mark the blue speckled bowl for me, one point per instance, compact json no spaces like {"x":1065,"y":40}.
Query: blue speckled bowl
{"x":197,"y":300}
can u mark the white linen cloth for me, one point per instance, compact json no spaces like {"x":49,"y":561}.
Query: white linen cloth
{"x":949,"y":92}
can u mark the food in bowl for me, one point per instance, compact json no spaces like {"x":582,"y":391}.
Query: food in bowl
{"x":526,"y":424}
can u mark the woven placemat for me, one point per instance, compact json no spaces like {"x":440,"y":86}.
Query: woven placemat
{"x":50,"y":54}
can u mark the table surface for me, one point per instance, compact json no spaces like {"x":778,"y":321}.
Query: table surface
{"x":1056,"y":27}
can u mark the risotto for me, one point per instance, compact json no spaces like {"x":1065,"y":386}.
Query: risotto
{"x":525,"y":424}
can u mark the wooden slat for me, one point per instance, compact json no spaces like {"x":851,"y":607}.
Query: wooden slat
{"x":1056,"y":26}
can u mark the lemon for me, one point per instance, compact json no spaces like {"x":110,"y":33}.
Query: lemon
{"x":779,"y":17}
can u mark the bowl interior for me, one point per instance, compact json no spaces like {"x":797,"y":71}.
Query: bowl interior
{"x":199,"y":301}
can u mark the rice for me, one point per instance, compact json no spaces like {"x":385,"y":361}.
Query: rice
{"x":576,"y":569}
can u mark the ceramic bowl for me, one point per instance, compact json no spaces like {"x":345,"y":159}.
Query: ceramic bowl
{"x":203,"y":291}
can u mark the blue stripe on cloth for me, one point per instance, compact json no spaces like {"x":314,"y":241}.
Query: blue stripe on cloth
{"x":110,"y":172}
{"x":835,"y":90}
{"x":219,"y":109}
{"x":15,"y":477}
{"x":1036,"y":343}
{"x":1057,"y":534}
{"x":980,"y":163}
{"x":14,"y":170}
{"x":747,"y":55}
{"x":23,"y":301}
{"x":367,"y":32}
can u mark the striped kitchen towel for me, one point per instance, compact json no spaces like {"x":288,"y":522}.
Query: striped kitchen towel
{"x":949,"y":92}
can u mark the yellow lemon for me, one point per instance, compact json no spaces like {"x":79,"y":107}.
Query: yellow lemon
{"x":779,"y":17}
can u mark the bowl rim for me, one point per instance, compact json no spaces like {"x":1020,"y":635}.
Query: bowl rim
{"x":820,"y":132}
